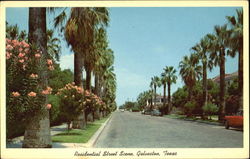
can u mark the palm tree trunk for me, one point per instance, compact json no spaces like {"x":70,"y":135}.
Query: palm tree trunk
{"x":169,"y":97}
{"x":164,"y":96}
{"x":222,"y":85}
{"x":151,"y":102}
{"x":240,"y":80}
{"x":80,"y":122}
{"x":97,"y":92}
{"x":204,"y":81}
{"x":88,"y":80}
{"x":37,"y":133}
{"x":155,"y":96}
{"x":78,"y":70}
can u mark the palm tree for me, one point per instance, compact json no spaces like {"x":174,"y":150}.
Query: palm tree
{"x":109,"y":87}
{"x":190,"y":71}
{"x":53,"y":45}
{"x":219,"y":45}
{"x":236,"y":46}
{"x":164,"y":83}
{"x":202,"y":49}
{"x":80,"y":31}
{"x":156,"y":83}
{"x":37,"y":133}
{"x":170,"y":77}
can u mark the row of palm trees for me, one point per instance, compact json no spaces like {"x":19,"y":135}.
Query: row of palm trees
{"x":211,"y":51}
{"x":167,"y":78}
{"x":85,"y":33}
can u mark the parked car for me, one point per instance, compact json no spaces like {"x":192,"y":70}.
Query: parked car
{"x":147,"y":112}
{"x":122,"y":110}
{"x":155,"y":112}
{"x":234,"y":120}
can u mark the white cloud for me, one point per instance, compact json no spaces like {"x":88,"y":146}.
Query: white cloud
{"x":67,"y":62}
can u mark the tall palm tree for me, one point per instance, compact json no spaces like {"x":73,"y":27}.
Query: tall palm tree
{"x":220,"y":41}
{"x":190,"y":71}
{"x":169,"y":73}
{"x":37,"y":133}
{"x":236,"y":46}
{"x":156,"y":81}
{"x":164,"y":83}
{"x":202,"y":49}
{"x":79,"y":33}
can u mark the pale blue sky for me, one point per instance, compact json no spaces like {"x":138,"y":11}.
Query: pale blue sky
{"x":145,"y":40}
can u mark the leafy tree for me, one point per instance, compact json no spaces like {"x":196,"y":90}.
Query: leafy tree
{"x":143,"y":98}
{"x":189,"y":107}
{"x":180,"y":97}
{"x":210,"y":109}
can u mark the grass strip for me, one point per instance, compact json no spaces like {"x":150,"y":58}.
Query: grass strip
{"x":79,"y":135}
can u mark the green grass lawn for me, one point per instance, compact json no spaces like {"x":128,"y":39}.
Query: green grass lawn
{"x":78,"y":135}
{"x":176,"y":116}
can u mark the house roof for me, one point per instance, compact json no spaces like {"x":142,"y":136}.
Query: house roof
{"x":227,"y":77}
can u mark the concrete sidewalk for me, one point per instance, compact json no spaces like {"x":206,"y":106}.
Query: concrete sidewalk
{"x":17,"y":142}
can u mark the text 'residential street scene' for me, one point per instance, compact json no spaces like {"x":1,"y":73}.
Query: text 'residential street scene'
{"x":124,"y":77}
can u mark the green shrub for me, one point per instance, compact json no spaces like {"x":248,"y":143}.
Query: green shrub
{"x":210,"y":109}
{"x":189,"y":107}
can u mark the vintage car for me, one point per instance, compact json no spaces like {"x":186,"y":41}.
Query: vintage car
{"x":235,"y":120}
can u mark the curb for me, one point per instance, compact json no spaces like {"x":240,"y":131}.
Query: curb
{"x":198,"y":121}
{"x":94,"y":138}
{"x":91,"y":141}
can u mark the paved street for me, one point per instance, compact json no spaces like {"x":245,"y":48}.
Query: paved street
{"x":131,"y":129}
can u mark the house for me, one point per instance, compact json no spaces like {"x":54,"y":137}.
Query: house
{"x":229,"y":78}
{"x":156,"y":102}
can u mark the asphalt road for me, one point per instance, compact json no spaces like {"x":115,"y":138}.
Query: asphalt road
{"x":134,"y":130}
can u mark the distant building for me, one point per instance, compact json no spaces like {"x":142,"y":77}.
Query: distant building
{"x":158,"y":101}
{"x":229,"y":78}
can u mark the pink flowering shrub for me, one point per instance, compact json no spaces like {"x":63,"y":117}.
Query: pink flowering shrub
{"x":25,"y":94}
{"x":74,"y":100}
{"x":71,"y":101}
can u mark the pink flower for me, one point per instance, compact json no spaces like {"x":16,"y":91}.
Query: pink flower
{"x":20,"y":49}
{"x":8,"y":40}
{"x":8,"y":55}
{"x":34,"y":75}
{"x":48,"y":106}
{"x":21,"y":61}
{"x":49,"y":62}
{"x":26,"y":50}
{"x":37,"y":55}
{"x":47,"y":91}
{"x":24,"y":44}
{"x":21,"y":55}
{"x":32,"y":94}
{"x":9,"y":47}
{"x":15,"y":94}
